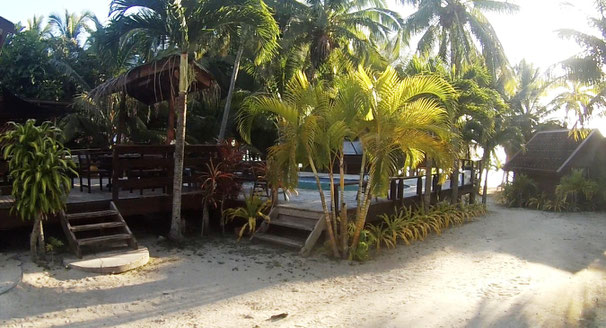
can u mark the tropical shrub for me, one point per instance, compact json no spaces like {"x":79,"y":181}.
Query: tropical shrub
{"x":576,"y":190}
{"x":254,"y":209}
{"x":408,"y":225}
{"x":519,"y":192}
{"x":40,"y":168}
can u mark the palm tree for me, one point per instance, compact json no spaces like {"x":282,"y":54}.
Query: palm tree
{"x":396,"y":120}
{"x":321,"y":26}
{"x":36,"y":24}
{"x":71,"y":25}
{"x":579,"y":99}
{"x":525,"y":103}
{"x":455,"y":28}
{"x":184,"y":27}
{"x":588,"y":66}
{"x":260,"y":34}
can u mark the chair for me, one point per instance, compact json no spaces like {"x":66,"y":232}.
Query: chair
{"x":91,"y":165}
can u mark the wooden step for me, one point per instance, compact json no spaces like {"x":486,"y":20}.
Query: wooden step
{"x":104,"y":239}
{"x":96,"y":226}
{"x":315,"y":215}
{"x":284,"y":241}
{"x":294,"y":222}
{"x":91,"y":215}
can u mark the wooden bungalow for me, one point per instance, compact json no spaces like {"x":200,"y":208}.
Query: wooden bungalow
{"x":549,"y":155}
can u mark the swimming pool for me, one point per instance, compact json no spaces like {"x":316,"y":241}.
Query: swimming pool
{"x":308,"y":182}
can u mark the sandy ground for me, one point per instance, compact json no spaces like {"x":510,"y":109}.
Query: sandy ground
{"x":512,"y":268}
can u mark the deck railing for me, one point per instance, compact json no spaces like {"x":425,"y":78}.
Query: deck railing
{"x":139,"y":167}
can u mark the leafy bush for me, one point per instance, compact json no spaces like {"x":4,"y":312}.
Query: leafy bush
{"x":519,"y":192}
{"x":40,"y":168}
{"x":254,"y":209}
{"x":577,"y":191}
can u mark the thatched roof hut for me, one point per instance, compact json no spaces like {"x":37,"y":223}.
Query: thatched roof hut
{"x":549,"y":155}
{"x":155,"y":82}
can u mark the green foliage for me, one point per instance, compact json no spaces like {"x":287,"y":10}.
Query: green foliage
{"x":408,"y":225}
{"x":519,"y":192}
{"x":576,"y":190}
{"x":254,"y":209}
{"x":40,"y":168}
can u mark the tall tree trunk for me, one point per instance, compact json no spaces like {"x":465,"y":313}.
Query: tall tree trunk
{"x":331,"y":235}
{"x":230,"y":93}
{"x":121,"y":119}
{"x":170,"y":131}
{"x":428,"y":183}
{"x":454,"y":182}
{"x":343,"y":209}
{"x":36,"y":240}
{"x":360,"y":203}
{"x":175,"y":228}
{"x":485,"y":160}
{"x":362,"y":213}
{"x":205,"y":218}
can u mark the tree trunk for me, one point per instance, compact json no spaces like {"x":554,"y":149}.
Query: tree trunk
{"x":454,"y":181}
{"x":205,"y":218}
{"x":170,"y":131}
{"x":230,"y":93}
{"x":485,"y":160}
{"x":121,"y":119}
{"x":343,"y":209}
{"x":331,"y":235}
{"x":356,"y":234}
{"x":428,"y":183}
{"x":361,"y":214}
{"x":175,"y":228}
{"x":36,"y":240}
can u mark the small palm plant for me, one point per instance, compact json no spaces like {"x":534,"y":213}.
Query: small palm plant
{"x":40,"y":168}
{"x":254,"y":209}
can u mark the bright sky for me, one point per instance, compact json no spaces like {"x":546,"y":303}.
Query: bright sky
{"x":529,"y":34}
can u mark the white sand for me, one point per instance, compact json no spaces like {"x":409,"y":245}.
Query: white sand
{"x":513,"y":268}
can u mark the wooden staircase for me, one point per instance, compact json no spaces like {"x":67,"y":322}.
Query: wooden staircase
{"x":293,"y":228}
{"x":98,"y":229}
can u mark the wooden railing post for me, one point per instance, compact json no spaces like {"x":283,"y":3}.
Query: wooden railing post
{"x":117,"y":172}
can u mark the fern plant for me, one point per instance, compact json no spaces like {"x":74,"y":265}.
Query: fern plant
{"x":254,"y":209}
{"x":40,"y":168}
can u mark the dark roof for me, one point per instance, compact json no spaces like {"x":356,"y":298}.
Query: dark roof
{"x":14,"y":108}
{"x":549,"y":151}
{"x":5,"y":28}
{"x":154,"y":82}
{"x":352,"y":148}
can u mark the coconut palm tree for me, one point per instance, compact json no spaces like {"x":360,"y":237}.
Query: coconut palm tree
{"x":36,"y":24}
{"x":260,"y":35}
{"x":321,"y":26}
{"x":580,"y":100}
{"x":185,"y":27}
{"x":455,"y":28}
{"x":70,"y":26}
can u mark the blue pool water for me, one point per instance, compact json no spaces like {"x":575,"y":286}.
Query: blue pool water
{"x":310,"y":183}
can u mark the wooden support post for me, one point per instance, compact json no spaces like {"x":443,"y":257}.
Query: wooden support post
{"x":117,"y":172}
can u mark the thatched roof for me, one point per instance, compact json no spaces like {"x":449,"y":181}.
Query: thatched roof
{"x":154,"y":82}
{"x":554,"y":152}
{"x":5,"y":28}
{"x":14,"y":108}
